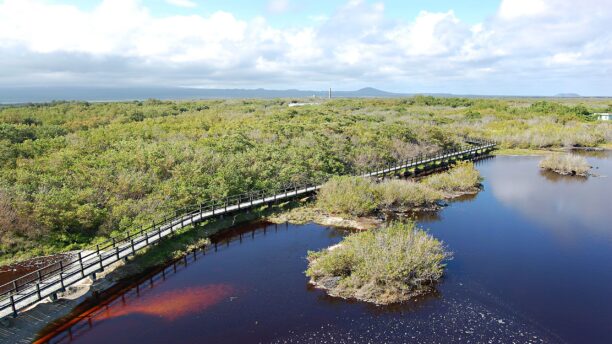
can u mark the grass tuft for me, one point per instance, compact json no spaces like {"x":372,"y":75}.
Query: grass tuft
{"x":348,"y":195}
{"x":566,"y":164}
{"x":463,"y":177}
{"x":358,"y":196}
{"x":383,"y":266}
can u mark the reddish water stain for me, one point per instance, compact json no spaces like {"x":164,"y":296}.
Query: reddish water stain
{"x":174,"y":304}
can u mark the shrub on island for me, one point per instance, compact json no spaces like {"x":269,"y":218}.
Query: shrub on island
{"x":358,"y":196}
{"x":462,"y":178}
{"x":566,"y":164}
{"x":383,"y":266}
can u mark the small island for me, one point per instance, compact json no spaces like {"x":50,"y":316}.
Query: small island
{"x":383,"y":266}
{"x":566,"y":164}
{"x":390,"y":263}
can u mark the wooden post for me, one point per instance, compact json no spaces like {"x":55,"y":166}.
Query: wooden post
{"x":81,"y":264}
{"x":62,"y":281}
{"x":13,"y":306}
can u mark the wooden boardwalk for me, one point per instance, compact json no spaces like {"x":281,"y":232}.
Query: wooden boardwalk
{"x":44,"y":283}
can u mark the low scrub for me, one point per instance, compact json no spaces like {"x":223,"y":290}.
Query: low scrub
{"x":348,"y":195}
{"x":566,"y":164}
{"x":359,"y":196}
{"x":464,"y":177}
{"x":383,"y":266}
{"x":405,"y":194}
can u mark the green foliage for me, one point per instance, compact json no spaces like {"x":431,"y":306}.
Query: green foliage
{"x":16,"y":133}
{"x":358,"y":196}
{"x":406,"y":194}
{"x":440,"y":101}
{"x":348,"y":195}
{"x":78,"y":171}
{"x":387,"y":265}
{"x":472,"y":115}
{"x":461,"y":178}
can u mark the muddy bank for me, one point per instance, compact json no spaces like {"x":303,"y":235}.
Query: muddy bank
{"x":12,"y":271}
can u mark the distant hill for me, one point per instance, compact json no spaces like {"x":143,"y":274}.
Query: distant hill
{"x":42,"y":94}
{"x":47,"y":94}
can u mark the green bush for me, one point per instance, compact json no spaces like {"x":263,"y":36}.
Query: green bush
{"x":360,"y":196}
{"x":386,"y":265}
{"x":348,"y":195}
{"x":405,"y":193}
{"x":463,"y":177}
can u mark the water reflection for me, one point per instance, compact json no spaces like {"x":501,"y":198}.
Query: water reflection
{"x":411,"y":305}
{"x":560,"y":203}
{"x":601,"y":154}
{"x":558,"y":178}
{"x":171,"y":305}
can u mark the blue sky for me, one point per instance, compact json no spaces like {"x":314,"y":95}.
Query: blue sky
{"x":513,"y":47}
{"x":301,"y":13}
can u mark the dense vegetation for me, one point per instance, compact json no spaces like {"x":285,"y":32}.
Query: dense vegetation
{"x":357,"y":196}
{"x":386,"y":265}
{"x":566,"y":164}
{"x":73,"y":172}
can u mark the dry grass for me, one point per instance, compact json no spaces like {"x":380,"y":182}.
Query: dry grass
{"x":405,"y":193}
{"x":462,"y":178}
{"x":383,"y":266}
{"x":348,"y":195}
{"x":359,"y":196}
{"x":566,"y":164}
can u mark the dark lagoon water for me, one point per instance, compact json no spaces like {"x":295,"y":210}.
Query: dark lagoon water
{"x":532,"y":263}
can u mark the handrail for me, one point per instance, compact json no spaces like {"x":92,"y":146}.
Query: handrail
{"x":116,"y":246}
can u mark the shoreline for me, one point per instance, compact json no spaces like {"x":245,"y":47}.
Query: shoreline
{"x":35,"y":320}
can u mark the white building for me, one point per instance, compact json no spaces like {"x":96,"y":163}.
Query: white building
{"x":603,"y":116}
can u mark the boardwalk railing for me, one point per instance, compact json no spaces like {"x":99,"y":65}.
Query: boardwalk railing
{"x":47,"y":281}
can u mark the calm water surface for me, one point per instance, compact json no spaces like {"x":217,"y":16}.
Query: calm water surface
{"x":533,"y":263}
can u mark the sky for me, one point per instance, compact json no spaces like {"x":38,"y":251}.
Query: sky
{"x":487,"y":47}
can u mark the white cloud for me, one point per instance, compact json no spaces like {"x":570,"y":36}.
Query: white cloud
{"x":431,"y":34}
{"x":513,"y":9}
{"x":182,"y":3}
{"x":278,"y":6}
{"x":525,"y":47}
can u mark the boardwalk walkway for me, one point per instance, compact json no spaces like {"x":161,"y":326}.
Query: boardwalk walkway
{"x":27,"y":290}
